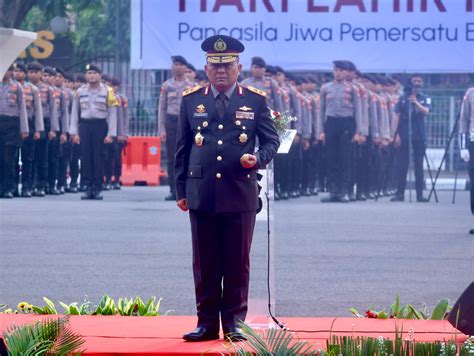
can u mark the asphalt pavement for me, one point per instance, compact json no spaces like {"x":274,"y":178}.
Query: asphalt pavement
{"x":327,"y":257}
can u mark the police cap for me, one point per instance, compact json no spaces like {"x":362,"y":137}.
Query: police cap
{"x":179,"y":59}
{"x":69,"y":76}
{"x":60,"y":71}
{"x":279,"y":69}
{"x":340,"y":65}
{"x":259,"y":62}
{"x":93,"y":67}
{"x":222,"y":49}
{"x":35,"y":66}
{"x":49,"y":70}
{"x":19,"y":65}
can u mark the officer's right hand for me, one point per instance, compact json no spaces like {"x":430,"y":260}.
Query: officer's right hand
{"x":163,"y":137}
{"x":36,"y":135}
{"x":76,"y":139}
{"x":182,"y":204}
{"x":63,"y":138}
{"x":24,"y":135}
{"x":51,"y":135}
{"x":322,"y":137}
{"x":296,"y":139}
{"x":108,"y":139}
{"x":465,"y":155}
{"x":398,"y":141}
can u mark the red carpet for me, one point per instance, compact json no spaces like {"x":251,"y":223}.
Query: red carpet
{"x":115,"y":335}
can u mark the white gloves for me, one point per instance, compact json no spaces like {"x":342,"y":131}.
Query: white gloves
{"x":465,"y":155}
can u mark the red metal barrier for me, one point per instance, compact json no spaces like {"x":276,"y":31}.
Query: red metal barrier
{"x":141,"y":161}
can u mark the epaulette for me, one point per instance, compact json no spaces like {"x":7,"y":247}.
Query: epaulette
{"x":191,"y":90}
{"x":256,"y":91}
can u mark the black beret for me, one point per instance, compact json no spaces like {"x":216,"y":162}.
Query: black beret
{"x":299,"y":79}
{"x":350,"y":66}
{"x":115,"y":81}
{"x":179,"y":59}
{"x":259,"y":62}
{"x":270,"y":69}
{"x":35,"y":66}
{"x":190,"y":66}
{"x":69,"y":76}
{"x":20,"y":65}
{"x":279,"y":69}
{"x":80,"y":77}
{"x":60,"y":71}
{"x":312,"y":79}
{"x":106,"y":78}
{"x":93,"y":67}
{"x":369,"y":78}
{"x":222,"y":49}
{"x":49,"y":70}
{"x":290,"y":76}
{"x":340,"y":64}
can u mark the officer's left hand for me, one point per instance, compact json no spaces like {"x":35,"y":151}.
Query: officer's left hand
{"x":362,"y":139}
{"x":36,"y":135}
{"x":24,"y":135}
{"x":51,"y":135}
{"x":108,"y":139}
{"x":63,"y":138}
{"x":122,"y":138}
{"x":248,"y":160}
{"x":305,"y":144}
{"x":182,"y":204}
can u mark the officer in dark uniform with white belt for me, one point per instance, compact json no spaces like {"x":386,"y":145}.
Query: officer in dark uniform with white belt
{"x":216,"y":179}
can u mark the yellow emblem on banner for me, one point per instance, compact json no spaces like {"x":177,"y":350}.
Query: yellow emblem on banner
{"x":199,"y":139}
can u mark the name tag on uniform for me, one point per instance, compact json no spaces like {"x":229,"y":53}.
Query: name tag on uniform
{"x":200,"y":115}
{"x":171,"y":94}
{"x":244,"y":115}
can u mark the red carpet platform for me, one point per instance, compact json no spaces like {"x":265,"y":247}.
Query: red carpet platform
{"x":115,"y":335}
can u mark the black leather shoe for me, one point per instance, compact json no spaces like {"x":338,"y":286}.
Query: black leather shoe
{"x":276,"y":196}
{"x":371,"y":196}
{"x":201,"y":334}
{"x":97,"y":195}
{"x":7,"y":195}
{"x":72,"y":189}
{"x":25,"y":193}
{"x":471,"y":232}
{"x":39,"y":193}
{"x":284,"y":196}
{"x":234,"y":334}
{"x":332,"y":198}
{"x":83,"y":188}
{"x":422,"y":200}
{"x":87,"y":195}
{"x":344,"y":198}
{"x":315,"y":191}
{"x":62,"y":190}
{"x":306,"y":192}
{"x":170,"y":197}
{"x":53,"y":191}
{"x":352,"y":197}
{"x":116,"y":186}
{"x":107,"y":186}
{"x":361,"y":197}
{"x":397,"y":197}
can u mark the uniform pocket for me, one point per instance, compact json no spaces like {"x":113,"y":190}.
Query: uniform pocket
{"x":194,"y":171}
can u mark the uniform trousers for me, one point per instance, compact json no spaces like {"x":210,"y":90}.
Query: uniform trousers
{"x":363,"y":166}
{"x":339,"y":132}
{"x":9,"y":143}
{"x":92,"y":133}
{"x":282,"y":172}
{"x":113,"y":166}
{"x":27,"y":162}
{"x":65,"y":153}
{"x":418,"y":147}
{"x":53,"y":161}
{"x":307,"y":168}
{"x":171,"y":128}
{"x":295,"y":166}
{"x":471,"y":172}
{"x":74,"y":163}
{"x":221,"y":265}
{"x":41,"y":157}
{"x":315,"y":149}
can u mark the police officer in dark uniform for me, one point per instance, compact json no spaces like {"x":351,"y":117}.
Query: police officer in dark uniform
{"x":416,"y":106}
{"x":216,"y":179}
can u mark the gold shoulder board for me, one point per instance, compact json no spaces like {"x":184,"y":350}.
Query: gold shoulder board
{"x":191,"y":90}
{"x":257,"y":91}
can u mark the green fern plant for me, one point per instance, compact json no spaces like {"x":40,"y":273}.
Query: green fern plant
{"x":46,"y":337}
{"x":277,"y":342}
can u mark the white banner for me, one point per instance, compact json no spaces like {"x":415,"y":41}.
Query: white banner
{"x":430,"y":36}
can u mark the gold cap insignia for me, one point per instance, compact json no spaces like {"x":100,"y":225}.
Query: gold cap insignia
{"x":245,"y":108}
{"x":199,"y":139}
{"x":220,"y":45}
{"x":243,"y":138}
{"x":200,"y":108}
{"x":88,"y":67}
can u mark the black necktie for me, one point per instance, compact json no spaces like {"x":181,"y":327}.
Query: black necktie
{"x":221,"y":104}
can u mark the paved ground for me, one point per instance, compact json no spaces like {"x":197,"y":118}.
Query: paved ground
{"x":328,"y":257}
